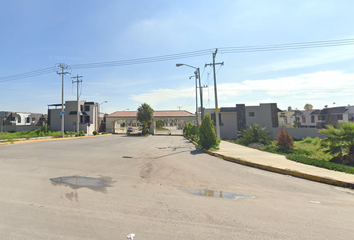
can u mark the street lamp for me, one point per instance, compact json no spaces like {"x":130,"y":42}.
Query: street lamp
{"x":196,"y":93}
{"x":99,"y":105}
{"x":200,"y":86}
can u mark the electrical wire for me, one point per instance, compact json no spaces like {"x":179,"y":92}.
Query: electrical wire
{"x":277,"y":47}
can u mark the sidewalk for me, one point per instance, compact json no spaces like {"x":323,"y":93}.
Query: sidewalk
{"x":278,"y":163}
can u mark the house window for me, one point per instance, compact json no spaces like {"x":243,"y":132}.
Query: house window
{"x":212,"y":116}
{"x":321,"y":117}
{"x":87,"y":108}
{"x":303,"y":119}
{"x":13,"y":119}
{"x":312,"y":119}
{"x":33,"y":119}
{"x":251,"y":114}
{"x":19,"y":120}
{"x":81,"y":108}
{"x":28,"y":120}
{"x":84,"y":119}
{"x":340,"y":116}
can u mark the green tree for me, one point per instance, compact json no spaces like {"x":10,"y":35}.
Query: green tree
{"x":159,"y":124}
{"x":207,"y":136}
{"x":254,"y":134}
{"x":340,"y":142}
{"x":145,"y":115}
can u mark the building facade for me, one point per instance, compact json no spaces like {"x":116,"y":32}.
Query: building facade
{"x":88,"y":116}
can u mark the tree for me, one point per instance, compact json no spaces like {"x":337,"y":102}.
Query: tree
{"x":254,"y":134}
{"x":308,"y":106}
{"x":159,"y":124}
{"x":145,"y":115}
{"x":340,"y":142}
{"x":207,"y":136}
{"x":284,"y":140}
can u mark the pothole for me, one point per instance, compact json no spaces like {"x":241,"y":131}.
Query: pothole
{"x":216,"y":193}
{"x":76,"y":182}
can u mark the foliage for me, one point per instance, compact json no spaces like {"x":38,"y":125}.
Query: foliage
{"x":340,"y":142}
{"x":94,"y":132}
{"x":81,"y":133}
{"x":284,"y":140}
{"x":145,"y":115}
{"x":159,"y":124}
{"x":207,"y":136}
{"x":254,"y":134}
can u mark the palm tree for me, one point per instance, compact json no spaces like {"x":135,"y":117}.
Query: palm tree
{"x":254,"y":134}
{"x":340,"y":141}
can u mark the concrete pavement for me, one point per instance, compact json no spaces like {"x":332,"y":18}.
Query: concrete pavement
{"x":280,"y":164}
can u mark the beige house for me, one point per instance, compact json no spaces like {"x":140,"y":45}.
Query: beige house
{"x":88,"y":116}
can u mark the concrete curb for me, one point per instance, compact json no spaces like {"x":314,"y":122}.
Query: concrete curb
{"x":289,"y":172}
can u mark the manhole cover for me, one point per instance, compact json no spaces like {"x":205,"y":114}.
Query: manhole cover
{"x":75,"y":182}
{"x":216,"y":194}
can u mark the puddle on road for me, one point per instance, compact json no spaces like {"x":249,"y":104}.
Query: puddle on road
{"x":76,"y":182}
{"x":216,"y":194}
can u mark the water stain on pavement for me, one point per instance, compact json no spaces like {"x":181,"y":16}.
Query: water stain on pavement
{"x":216,"y":193}
{"x":76,"y":182}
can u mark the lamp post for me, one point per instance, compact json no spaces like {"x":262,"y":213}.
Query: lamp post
{"x":196,"y":93}
{"x":200,"y":87}
{"x":99,"y":106}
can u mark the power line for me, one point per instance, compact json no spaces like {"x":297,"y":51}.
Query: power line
{"x":169,"y":57}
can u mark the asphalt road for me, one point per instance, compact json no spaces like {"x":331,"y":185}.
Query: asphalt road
{"x":152,"y":186}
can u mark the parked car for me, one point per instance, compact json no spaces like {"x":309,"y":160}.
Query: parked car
{"x":130,"y":130}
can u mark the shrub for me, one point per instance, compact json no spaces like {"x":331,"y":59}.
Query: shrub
{"x":254,"y":134}
{"x":207,"y":136}
{"x":284,"y":140}
{"x":94,"y":132}
{"x":81,"y":133}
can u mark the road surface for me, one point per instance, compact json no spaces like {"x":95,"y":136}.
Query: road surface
{"x":154,"y":187}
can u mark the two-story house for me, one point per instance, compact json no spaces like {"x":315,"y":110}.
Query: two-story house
{"x":88,"y":116}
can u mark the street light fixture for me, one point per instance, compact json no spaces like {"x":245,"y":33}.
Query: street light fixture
{"x":99,"y":106}
{"x":200,"y":86}
{"x":197,"y":73}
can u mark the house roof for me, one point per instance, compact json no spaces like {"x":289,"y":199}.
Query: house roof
{"x":133,"y":114}
{"x":335,"y":110}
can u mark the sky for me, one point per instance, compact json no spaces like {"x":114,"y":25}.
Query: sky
{"x":40,"y":34}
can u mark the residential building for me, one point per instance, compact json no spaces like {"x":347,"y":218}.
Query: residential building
{"x":22,"y":121}
{"x":288,"y":119}
{"x":234,"y":119}
{"x":88,"y":116}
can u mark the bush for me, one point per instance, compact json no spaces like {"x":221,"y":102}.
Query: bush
{"x":94,"y":132}
{"x":284,"y":140}
{"x":254,"y":134}
{"x":207,"y":136}
{"x":81,"y":133}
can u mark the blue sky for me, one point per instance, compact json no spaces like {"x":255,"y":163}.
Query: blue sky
{"x":39,"y":34}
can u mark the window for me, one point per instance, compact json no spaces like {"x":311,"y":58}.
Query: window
{"x":81,"y":108}
{"x":84,"y":119}
{"x":212,"y":116}
{"x":303,"y":119}
{"x":33,"y":119}
{"x":28,"y":120}
{"x":251,"y":114}
{"x":312,"y":119}
{"x":321,"y":117}
{"x":19,"y":120}
{"x":340,"y":116}
{"x":87,"y":108}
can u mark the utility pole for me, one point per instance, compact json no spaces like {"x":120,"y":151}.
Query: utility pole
{"x":217,"y":110}
{"x":201,"y":96}
{"x":62,"y":73}
{"x":179,"y":108}
{"x":78,"y":104}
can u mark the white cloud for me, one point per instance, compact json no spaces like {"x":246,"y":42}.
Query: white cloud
{"x":320,"y":87}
